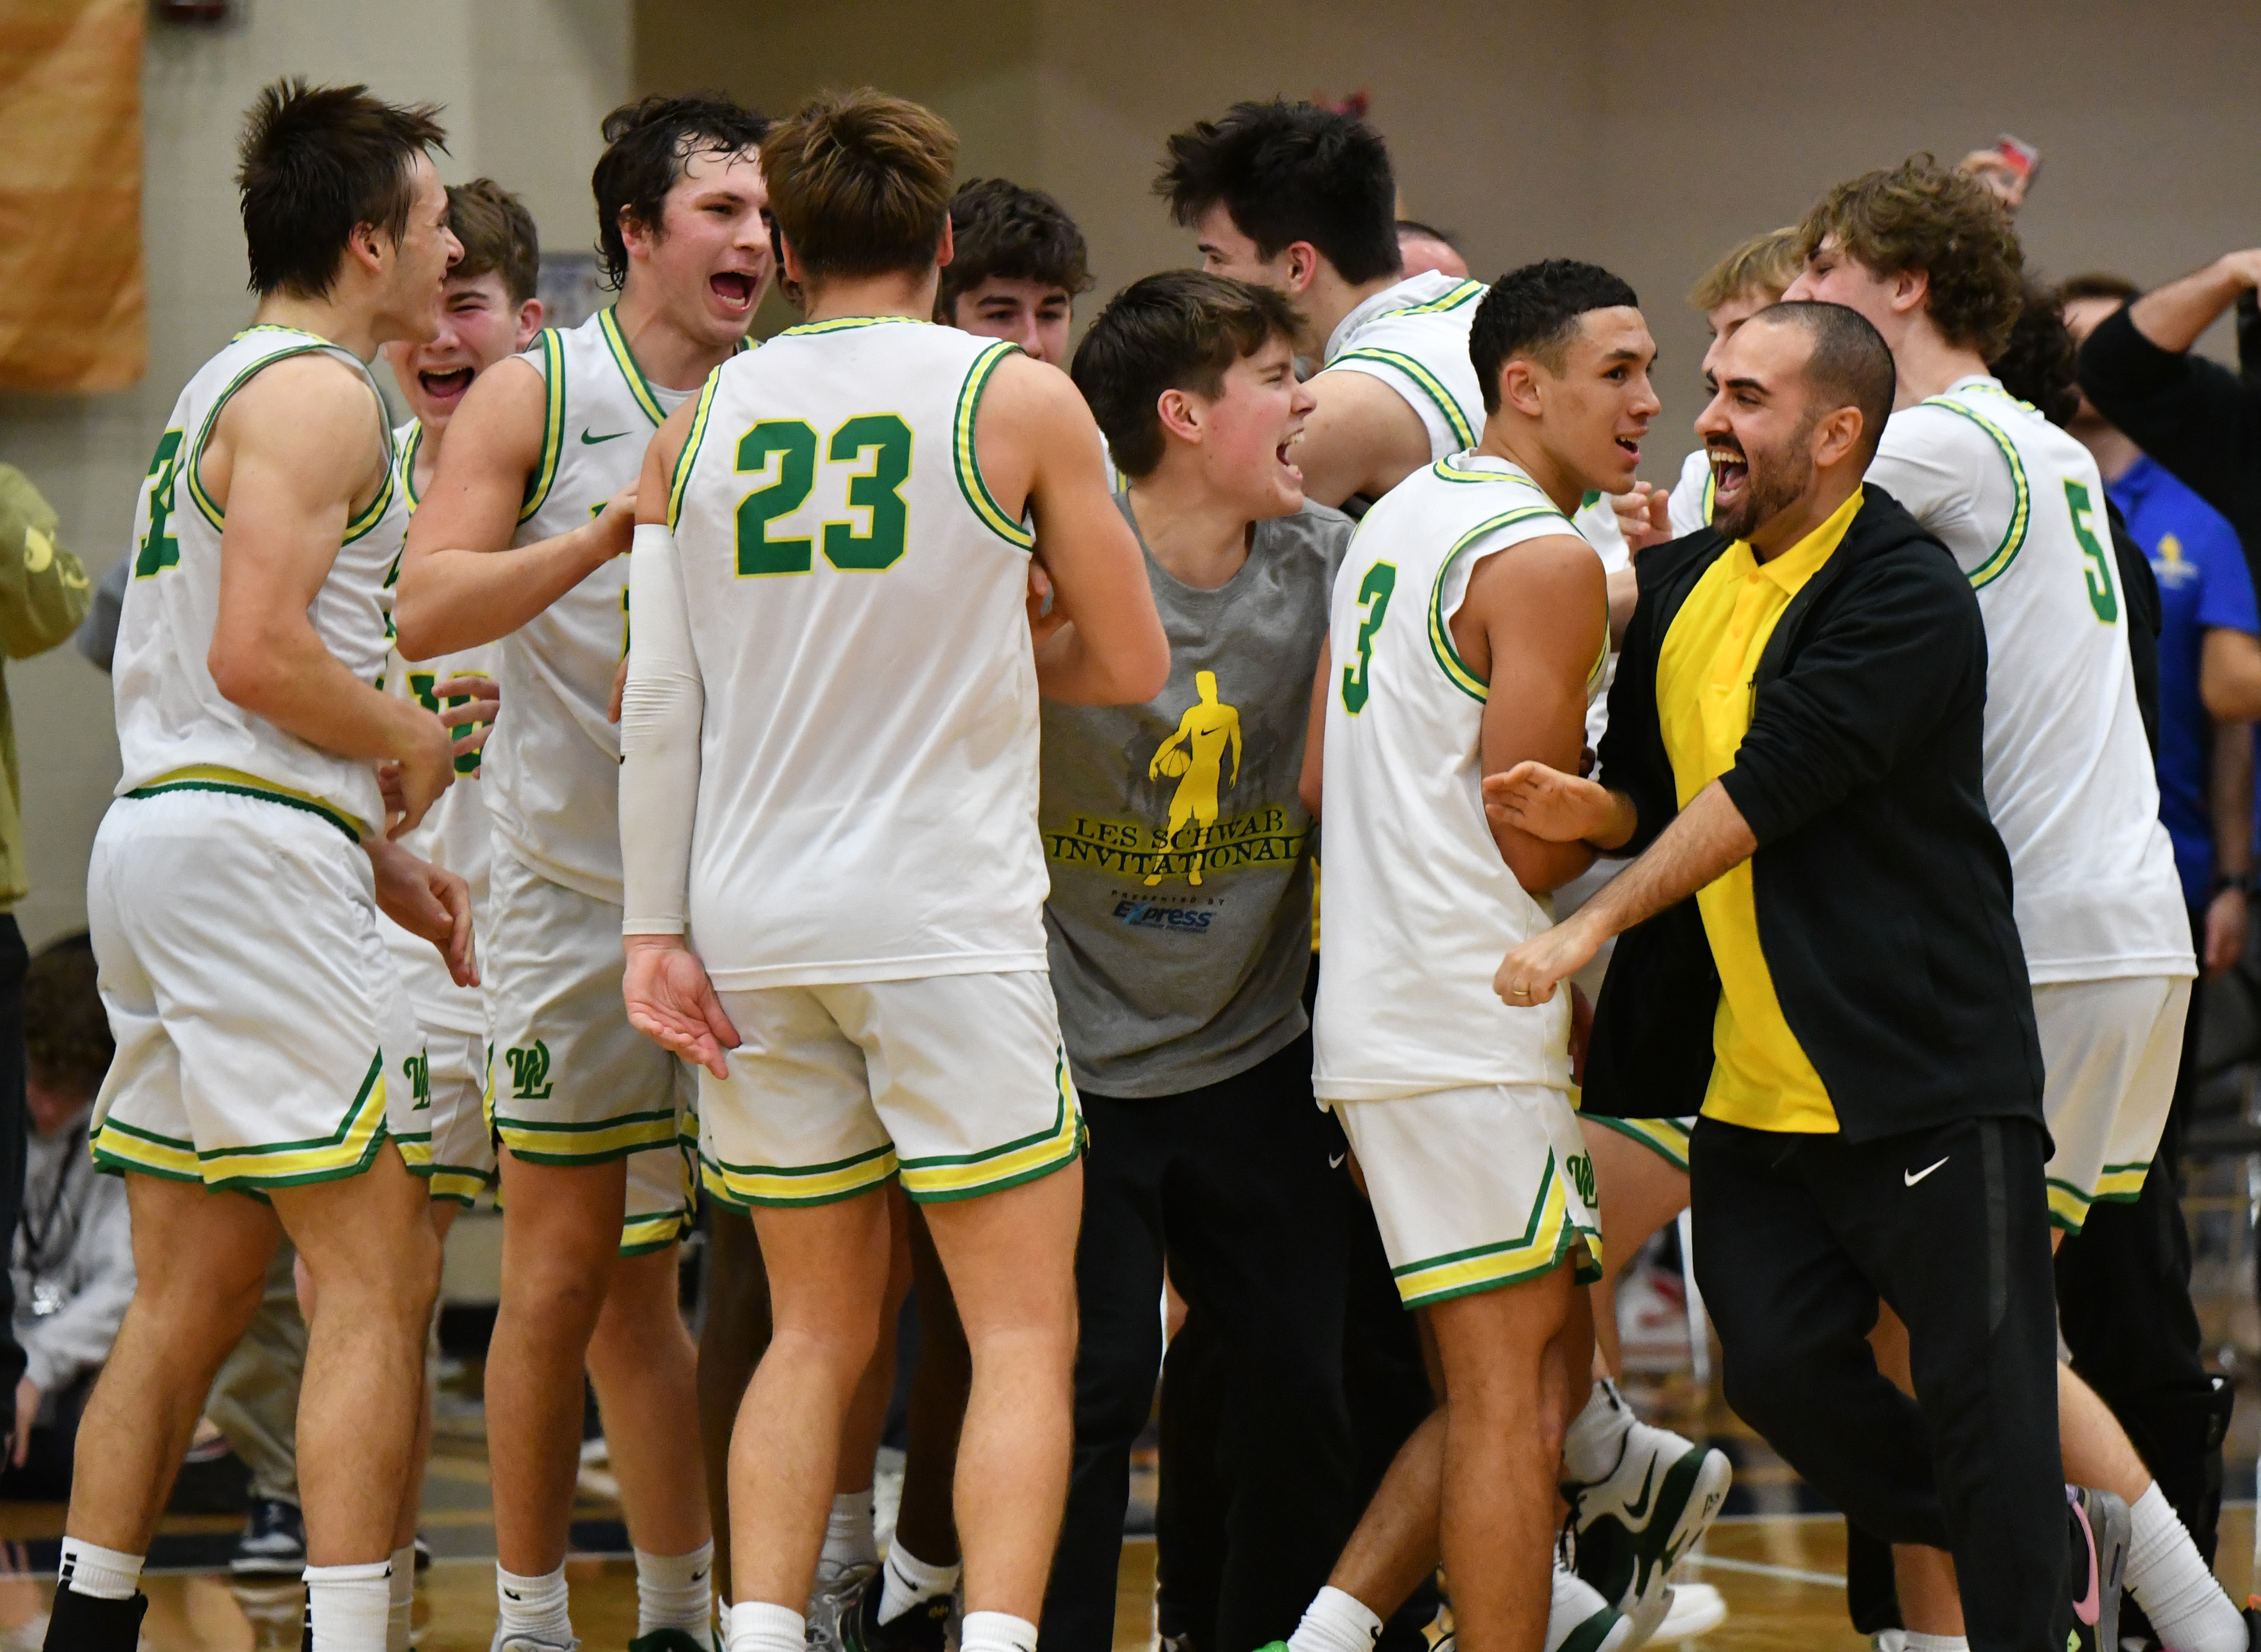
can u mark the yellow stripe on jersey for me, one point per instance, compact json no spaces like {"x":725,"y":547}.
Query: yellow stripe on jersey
{"x":1711,"y":496}
{"x":2013,"y":537}
{"x":1421,"y":375}
{"x":1547,"y":1239}
{"x":939,"y":1180}
{"x":691,"y":441}
{"x":1466,"y":292}
{"x":844,"y":323}
{"x":745,"y":1185}
{"x":409,"y":446}
{"x":211,"y":777}
{"x":969,"y":482}
{"x":1440,"y":634}
{"x":194,"y":470}
{"x":553,"y":423}
{"x":1446,"y":471}
{"x":624,"y":358}
{"x":375,"y":514}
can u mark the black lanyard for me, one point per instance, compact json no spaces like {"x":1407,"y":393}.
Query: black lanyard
{"x":35,"y":1238}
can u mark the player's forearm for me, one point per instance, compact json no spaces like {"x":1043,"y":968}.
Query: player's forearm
{"x":2230,"y":800}
{"x":1129,"y":671}
{"x":2173,"y":316}
{"x":280,"y":673}
{"x":1708,"y":839}
{"x":451,"y":599}
{"x":1542,"y":867}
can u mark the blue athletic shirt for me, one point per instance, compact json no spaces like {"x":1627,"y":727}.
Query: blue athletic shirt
{"x":2204,"y":585}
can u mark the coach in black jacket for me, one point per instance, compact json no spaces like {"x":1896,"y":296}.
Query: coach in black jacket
{"x":1795,"y":733}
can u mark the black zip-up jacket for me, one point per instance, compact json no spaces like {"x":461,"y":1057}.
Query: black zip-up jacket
{"x":1882,"y":889}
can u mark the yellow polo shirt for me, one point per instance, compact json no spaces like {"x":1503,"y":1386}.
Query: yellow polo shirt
{"x":1760,"y":1076}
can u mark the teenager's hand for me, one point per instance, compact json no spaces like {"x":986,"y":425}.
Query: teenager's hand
{"x":1644,"y":516}
{"x":1044,"y":616}
{"x":428,"y":901}
{"x":482,"y":698}
{"x":1550,"y":805}
{"x":672,"y":1003}
{"x":413,"y":781}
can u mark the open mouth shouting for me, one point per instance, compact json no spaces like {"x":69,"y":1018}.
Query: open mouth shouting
{"x":1731,"y":469}
{"x":1287,"y":464}
{"x":733,"y":289}
{"x":445,"y":386}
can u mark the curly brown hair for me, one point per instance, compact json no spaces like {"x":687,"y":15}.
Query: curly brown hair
{"x":1920,"y":215}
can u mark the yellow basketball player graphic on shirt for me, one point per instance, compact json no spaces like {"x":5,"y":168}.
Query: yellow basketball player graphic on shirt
{"x":1195,"y":755}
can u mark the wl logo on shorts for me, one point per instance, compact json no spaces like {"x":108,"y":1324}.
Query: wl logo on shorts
{"x":1581,"y":1166}
{"x":417,"y":1069}
{"x":529,"y":1072}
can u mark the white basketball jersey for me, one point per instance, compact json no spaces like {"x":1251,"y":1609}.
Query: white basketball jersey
{"x":2069,"y":775}
{"x":1694,"y":494}
{"x":1420,"y":908}
{"x":552,"y":774}
{"x":867,"y":791}
{"x":1414,"y":337}
{"x":453,"y":833}
{"x":176,"y":730}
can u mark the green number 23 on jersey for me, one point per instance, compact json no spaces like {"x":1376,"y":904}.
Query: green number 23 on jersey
{"x":882,"y":440}
{"x":158,"y":549}
{"x":1374,"y":595}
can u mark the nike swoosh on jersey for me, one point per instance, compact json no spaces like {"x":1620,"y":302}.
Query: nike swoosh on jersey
{"x":589,"y":441}
{"x":1913,"y":1176}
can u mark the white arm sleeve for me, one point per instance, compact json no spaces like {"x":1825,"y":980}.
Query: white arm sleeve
{"x":661,"y":710}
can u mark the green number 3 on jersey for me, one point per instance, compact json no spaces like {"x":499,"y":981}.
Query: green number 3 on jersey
{"x":2098,"y":572}
{"x":160,"y":549}
{"x":792,"y":442}
{"x":1373,"y":593}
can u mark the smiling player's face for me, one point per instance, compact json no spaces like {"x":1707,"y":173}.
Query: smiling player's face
{"x":712,"y":259}
{"x":1598,"y":406}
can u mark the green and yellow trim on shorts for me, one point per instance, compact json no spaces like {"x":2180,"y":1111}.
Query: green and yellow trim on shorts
{"x":1666,"y":1137}
{"x":1547,"y":1239}
{"x":2115,"y":1184}
{"x":348,"y":1151}
{"x":212,"y":776}
{"x":643,"y":1232}
{"x":542,"y":1142}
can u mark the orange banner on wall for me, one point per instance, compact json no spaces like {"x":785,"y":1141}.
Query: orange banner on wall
{"x":74,"y":306}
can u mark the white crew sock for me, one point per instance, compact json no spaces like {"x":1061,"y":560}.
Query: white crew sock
{"x":1335,"y":1622}
{"x":908,"y":1580}
{"x":533,"y":1606}
{"x":99,"y":1574}
{"x":1595,"y":1439}
{"x":399,"y":1613}
{"x":996,"y":1632}
{"x":677,"y":1592}
{"x":848,"y":1539}
{"x":755,"y":1625}
{"x":348,"y":1605}
{"x":1918,"y":1642}
{"x":2172,"y":1584}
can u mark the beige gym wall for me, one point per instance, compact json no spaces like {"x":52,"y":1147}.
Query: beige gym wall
{"x":1648,"y":136}
{"x":525,"y":82}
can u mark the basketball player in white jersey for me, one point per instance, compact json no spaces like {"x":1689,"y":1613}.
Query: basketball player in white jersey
{"x":1301,"y":199}
{"x":264,"y":1046}
{"x":830,"y":726}
{"x":1930,"y":257}
{"x":1470,"y":620}
{"x":521,"y":539}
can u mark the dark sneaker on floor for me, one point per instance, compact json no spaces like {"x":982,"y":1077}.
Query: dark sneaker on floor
{"x":423,"y":1555}
{"x":2098,"y":1530}
{"x":665,"y":1641}
{"x":921,"y":1629}
{"x":274,"y":1542}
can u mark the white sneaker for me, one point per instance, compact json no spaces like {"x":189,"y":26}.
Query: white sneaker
{"x":1696,"y":1608}
{"x":531,"y":1643}
{"x":1637,"y":1520}
{"x":1580,"y":1620}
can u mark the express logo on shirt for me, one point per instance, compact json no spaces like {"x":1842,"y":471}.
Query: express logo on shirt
{"x":1145,"y":915}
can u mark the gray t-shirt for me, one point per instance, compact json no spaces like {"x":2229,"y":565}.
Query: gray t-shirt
{"x":1179,"y":920}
